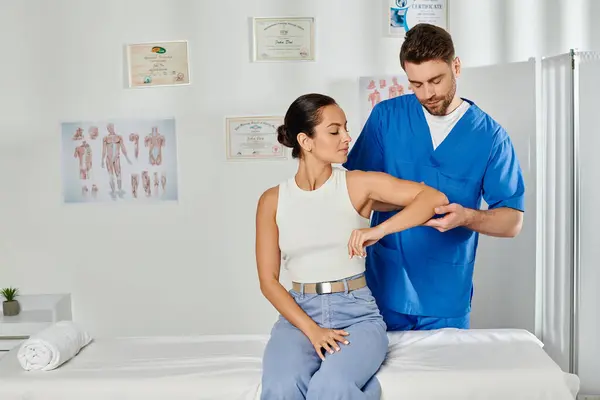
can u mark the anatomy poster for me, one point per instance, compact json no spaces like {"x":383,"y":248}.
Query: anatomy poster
{"x":375,"y":89}
{"x":405,"y":14}
{"x":127,"y":160}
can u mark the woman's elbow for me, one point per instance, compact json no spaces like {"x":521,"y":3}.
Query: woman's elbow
{"x":267,"y":284}
{"x":438,"y":198}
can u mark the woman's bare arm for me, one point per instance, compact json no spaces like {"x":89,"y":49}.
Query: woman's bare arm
{"x":268,"y":261}
{"x":384,"y":207}
{"x":417,"y":200}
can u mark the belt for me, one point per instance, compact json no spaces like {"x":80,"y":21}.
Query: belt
{"x":330,"y":287}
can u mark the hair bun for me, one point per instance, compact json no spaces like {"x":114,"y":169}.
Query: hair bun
{"x":282,"y":136}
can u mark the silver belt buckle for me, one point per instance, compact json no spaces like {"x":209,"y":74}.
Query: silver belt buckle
{"x":323,"y":287}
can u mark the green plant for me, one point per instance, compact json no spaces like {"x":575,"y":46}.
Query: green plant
{"x":9,"y":293}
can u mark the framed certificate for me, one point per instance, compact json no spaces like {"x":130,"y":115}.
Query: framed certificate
{"x":158,"y":64}
{"x":283,"y":39}
{"x":402,"y":15}
{"x":254,"y":138}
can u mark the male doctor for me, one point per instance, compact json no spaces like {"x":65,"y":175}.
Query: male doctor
{"x":422,"y":278}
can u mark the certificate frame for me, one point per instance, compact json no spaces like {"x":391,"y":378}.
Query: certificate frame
{"x":309,"y":47}
{"x":181,"y":75}
{"x":405,"y":10}
{"x":278,"y":153}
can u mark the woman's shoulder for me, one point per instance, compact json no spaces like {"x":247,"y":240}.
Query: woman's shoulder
{"x":269,"y":197}
{"x":358,"y":176}
{"x":364,"y":181}
{"x":266,"y":208}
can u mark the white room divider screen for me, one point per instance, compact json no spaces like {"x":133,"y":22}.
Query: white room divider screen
{"x":570,"y":322}
{"x":555,"y":224}
{"x":586,"y":342}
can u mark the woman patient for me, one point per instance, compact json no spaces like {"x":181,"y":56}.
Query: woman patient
{"x":330,"y":338}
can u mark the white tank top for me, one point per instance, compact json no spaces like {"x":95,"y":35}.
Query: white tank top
{"x":314,"y":230}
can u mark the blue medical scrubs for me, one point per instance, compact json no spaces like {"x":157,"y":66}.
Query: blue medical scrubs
{"x":422,"y":278}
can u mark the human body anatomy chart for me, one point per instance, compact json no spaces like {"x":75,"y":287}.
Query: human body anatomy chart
{"x":375,"y":89}
{"x":119,"y":160}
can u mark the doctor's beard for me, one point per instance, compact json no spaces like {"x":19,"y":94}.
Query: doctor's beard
{"x":439,"y":105}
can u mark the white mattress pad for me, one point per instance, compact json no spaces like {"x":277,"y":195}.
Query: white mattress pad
{"x":425,"y":365}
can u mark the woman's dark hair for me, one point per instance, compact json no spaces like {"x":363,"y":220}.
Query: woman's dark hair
{"x":303,"y":116}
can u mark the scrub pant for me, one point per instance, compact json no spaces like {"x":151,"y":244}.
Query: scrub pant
{"x":292,"y":368}
{"x":403,"y":322}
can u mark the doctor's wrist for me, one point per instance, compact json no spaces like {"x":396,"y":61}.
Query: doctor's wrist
{"x":470,"y":217}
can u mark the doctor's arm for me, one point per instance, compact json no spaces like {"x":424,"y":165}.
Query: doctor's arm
{"x":499,"y":222}
{"x":268,"y":260}
{"x":503,"y":191}
{"x":418,"y":203}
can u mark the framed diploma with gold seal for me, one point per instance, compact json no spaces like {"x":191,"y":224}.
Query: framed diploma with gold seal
{"x":158,"y":64}
{"x":283,"y":39}
{"x":254,"y":138}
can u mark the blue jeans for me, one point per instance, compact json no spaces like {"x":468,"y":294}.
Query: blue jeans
{"x":292,"y":368}
{"x":404,"y":322}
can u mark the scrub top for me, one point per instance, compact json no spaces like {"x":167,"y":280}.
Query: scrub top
{"x":421,"y":271}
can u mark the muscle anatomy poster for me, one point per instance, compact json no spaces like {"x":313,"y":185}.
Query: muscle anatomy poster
{"x":375,"y":89}
{"x":126,"y":160}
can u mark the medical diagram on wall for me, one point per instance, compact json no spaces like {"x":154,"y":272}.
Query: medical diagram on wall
{"x":404,"y":14}
{"x":375,"y":89}
{"x":127,"y":160}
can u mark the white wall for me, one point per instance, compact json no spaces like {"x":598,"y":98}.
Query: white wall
{"x":162,"y":269}
{"x":502,"y":31}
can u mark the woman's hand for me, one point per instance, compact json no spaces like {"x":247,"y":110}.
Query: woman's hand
{"x":322,"y":338}
{"x":362,"y":238}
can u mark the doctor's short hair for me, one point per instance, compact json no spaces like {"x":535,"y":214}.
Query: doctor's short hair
{"x":303,"y":115}
{"x":426,"y":42}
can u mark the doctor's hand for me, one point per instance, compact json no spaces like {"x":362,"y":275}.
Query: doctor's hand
{"x":456,"y":215}
{"x":361,"y":238}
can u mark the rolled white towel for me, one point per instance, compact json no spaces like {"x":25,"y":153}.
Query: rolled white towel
{"x":52,"y":347}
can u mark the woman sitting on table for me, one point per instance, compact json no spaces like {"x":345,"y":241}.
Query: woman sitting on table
{"x":330,"y":338}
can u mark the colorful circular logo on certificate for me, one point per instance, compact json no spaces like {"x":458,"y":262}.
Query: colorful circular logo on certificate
{"x":159,"y":50}
{"x":404,"y":3}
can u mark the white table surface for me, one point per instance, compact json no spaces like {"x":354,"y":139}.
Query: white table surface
{"x":37,"y":313}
